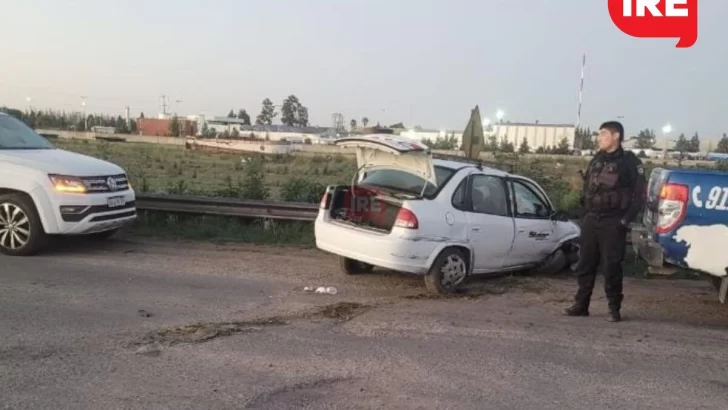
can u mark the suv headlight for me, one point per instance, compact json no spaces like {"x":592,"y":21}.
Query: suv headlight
{"x":68,"y":184}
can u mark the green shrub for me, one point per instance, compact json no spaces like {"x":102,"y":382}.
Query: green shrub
{"x":302,"y":190}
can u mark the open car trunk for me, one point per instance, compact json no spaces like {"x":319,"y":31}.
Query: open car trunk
{"x":364,"y":207}
{"x":377,"y":207}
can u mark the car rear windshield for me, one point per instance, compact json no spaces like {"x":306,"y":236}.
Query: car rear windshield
{"x":405,"y":182}
{"x":14,"y":134}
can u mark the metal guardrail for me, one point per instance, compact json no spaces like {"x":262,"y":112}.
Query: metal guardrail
{"x":289,"y":211}
{"x":200,"y":205}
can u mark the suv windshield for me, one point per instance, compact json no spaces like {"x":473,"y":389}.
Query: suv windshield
{"x":405,"y":182}
{"x":14,"y":134}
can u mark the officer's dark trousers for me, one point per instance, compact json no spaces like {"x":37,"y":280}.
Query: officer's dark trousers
{"x":602,"y":242}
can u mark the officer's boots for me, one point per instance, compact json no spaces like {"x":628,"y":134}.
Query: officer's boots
{"x":614,"y":307}
{"x":577,"y":309}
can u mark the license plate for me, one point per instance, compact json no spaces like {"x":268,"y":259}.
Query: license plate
{"x":116,"y":201}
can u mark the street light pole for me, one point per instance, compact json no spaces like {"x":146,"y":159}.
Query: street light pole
{"x":85,"y":117}
{"x":665,"y":131}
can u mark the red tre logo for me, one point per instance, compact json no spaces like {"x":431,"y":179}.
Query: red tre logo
{"x":657,"y":19}
{"x":362,"y":204}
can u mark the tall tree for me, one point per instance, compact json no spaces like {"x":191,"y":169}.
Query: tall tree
{"x":293,"y":113}
{"x":682,"y":144}
{"x":506,"y":146}
{"x":120,"y":126}
{"x":722,"y":145}
{"x":646,"y":139}
{"x":174,"y":127}
{"x":302,"y":116}
{"x":524,"y":148}
{"x":584,"y":139}
{"x":267,"y":113}
{"x":563,"y":148}
{"x":695,"y":143}
{"x":364,"y":121}
{"x":231,"y":114}
{"x":492,"y":144}
{"x":244,"y":116}
{"x":352,"y":123}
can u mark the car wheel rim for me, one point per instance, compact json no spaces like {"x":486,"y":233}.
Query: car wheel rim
{"x":14,"y":227}
{"x":453,"y":271}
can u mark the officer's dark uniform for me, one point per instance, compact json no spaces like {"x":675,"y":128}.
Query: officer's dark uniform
{"x":612,"y":197}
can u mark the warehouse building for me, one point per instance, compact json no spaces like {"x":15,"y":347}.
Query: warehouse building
{"x":538,"y":135}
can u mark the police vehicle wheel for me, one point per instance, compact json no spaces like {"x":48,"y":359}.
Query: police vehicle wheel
{"x":447,"y":272}
{"x":354,"y":267}
{"x":21,"y":232}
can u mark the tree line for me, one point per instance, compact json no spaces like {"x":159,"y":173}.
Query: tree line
{"x":450,"y":143}
{"x":292,"y":113}
{"x":71,"y":121}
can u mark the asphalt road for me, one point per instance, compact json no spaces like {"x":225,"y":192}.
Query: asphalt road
{"x":154,"y":325}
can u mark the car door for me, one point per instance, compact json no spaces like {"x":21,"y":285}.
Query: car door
{"x":534,"y":230}
{"x":485,"y":202}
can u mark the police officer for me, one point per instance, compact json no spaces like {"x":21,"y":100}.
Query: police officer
{"x":612,"y":196}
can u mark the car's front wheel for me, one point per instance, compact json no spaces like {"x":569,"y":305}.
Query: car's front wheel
{"x":447,"y":272}
{"x":21,"y":232}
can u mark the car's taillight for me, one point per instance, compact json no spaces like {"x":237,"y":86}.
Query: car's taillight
{"x":406,"y":219}
{"x":325,"y":201}
{"x":672,"y":207}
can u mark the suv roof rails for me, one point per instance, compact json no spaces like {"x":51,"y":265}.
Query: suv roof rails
{"x":477,"y":162}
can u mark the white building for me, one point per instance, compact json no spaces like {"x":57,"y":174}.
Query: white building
{"x":537,"y":135}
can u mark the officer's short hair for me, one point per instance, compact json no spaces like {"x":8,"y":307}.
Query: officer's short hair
{"x":614,"y":126}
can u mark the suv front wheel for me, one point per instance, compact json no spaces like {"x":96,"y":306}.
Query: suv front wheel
{"x":21,"y":232}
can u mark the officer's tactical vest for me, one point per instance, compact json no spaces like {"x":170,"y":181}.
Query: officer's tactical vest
{"x":607,"y":185}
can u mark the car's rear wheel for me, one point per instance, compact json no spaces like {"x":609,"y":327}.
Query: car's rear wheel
{"x":447,"y":272}
{"x":21,"y":232}
{"x":354,"y":267}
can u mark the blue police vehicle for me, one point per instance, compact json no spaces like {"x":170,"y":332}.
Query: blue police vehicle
{"x":686,"y":224}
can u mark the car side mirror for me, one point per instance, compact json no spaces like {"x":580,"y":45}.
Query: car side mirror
{"x":559,"y":216}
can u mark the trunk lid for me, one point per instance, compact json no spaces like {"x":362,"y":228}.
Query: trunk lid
{"x":387,"y":151}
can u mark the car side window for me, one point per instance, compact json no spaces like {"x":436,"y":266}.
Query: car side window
{"x":529,"y":203}
{"x":458,"y":197}
{"x":488,"y":195}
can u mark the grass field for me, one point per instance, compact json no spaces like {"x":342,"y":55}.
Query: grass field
{"x":173,"y":169}
{"x":300,"y":177}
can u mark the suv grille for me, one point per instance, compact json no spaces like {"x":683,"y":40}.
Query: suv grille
{"x":108,"y":183}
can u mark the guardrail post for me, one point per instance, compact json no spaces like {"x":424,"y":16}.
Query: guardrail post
{"x":268,"y":224}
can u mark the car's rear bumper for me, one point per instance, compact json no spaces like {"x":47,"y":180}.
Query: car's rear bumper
{"x":382,"y":250}
{"x":646,"y":248}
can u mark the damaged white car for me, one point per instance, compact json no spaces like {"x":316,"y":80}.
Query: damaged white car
{"x":443,"y":219}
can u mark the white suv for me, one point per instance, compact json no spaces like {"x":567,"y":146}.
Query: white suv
{"x":47,"y":191}
{"x":442,"y":219}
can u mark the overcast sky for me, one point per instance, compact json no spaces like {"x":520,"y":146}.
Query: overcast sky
{"x":423,"y":62}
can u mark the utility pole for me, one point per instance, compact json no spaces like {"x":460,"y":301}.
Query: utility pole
{"x":164,"y":105}
{"x":581,"y":91}
{"x":85,"y":117}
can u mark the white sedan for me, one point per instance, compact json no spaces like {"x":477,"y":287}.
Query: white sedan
{"x":406,"y":211}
